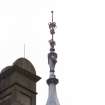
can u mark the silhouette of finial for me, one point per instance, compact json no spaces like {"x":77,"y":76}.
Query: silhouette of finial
{"x":52,"y":56}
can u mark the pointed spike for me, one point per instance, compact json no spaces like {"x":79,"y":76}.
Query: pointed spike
{"x":52,"y":15}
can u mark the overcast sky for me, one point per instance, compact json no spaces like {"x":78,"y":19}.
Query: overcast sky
{"x":80,"y":44}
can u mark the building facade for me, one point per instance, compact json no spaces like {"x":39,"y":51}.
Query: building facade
{"x":18,"y":83}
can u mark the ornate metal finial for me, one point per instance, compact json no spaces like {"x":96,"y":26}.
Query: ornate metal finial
{"x":52,"y":56}
{"x":52,"y":60}
{"x":52,"y":26}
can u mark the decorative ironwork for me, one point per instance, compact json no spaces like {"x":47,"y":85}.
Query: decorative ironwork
{"x":52,"y":26}
{"x":52,"y":56}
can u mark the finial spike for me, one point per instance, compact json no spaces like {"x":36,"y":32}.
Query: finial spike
{"x":52,"y":15}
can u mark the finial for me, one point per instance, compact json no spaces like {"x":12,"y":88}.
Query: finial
{"x":52,"y":56}
{"x":52,"y":26}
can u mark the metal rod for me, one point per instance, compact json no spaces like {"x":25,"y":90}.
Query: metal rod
{"x":52,"y":16}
